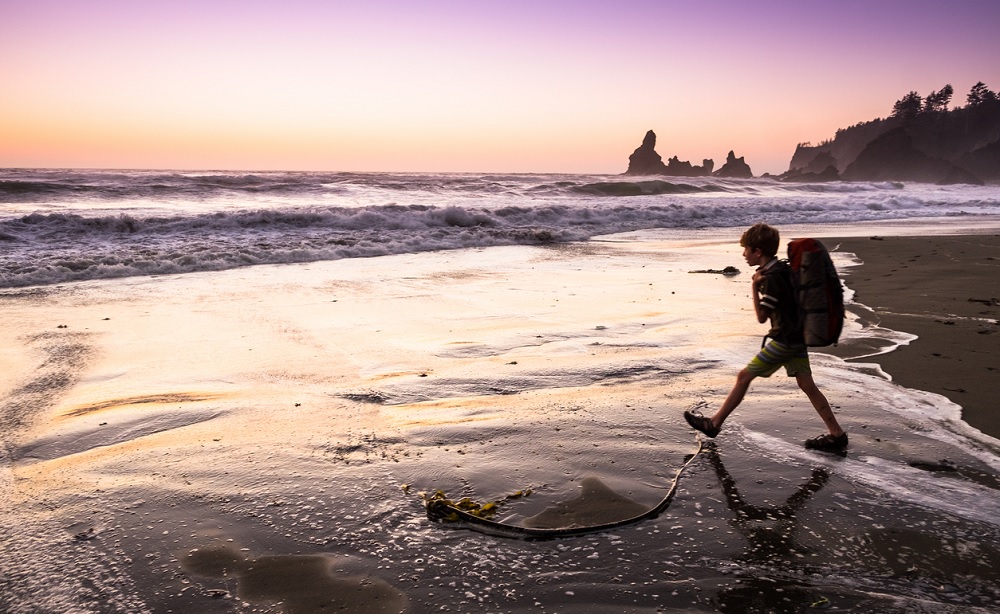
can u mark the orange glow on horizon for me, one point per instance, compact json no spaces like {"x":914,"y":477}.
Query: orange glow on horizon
{"x":539,"y":88}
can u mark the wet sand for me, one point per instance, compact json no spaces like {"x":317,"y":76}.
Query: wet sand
{"x":255,"y":441}
{"x":946,"y":291}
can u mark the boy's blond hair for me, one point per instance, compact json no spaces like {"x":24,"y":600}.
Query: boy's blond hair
{"x":763,"y":237}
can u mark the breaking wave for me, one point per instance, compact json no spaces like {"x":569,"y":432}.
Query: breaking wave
{"x":60,"y":226}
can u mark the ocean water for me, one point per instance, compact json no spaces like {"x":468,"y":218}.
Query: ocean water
{"x":65,"y":225}
{"x":253,"y":439}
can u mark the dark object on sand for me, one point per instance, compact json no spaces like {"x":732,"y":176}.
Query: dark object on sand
{"x":827,"y":442}
{"x":729,"y":271}
{"x":441,"y":512}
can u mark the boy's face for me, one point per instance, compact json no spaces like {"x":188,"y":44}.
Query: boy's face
{"x":753,"y":256}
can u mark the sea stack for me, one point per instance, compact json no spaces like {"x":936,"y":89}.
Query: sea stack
{"x":735,"y":168}
{"x":644,"y":160}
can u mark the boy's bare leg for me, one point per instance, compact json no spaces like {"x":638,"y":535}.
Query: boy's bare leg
{"x":818,"y":400}
{"x":743,"y":379}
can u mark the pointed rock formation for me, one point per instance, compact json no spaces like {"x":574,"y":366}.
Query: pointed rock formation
{"x":644,"y":160}
{"x":735,"y":168}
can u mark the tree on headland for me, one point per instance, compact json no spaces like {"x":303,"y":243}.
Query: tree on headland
{"x":907,"y":107}
{"x":980,"y":94}
{"x":938,"y":101}
{"x":925,"y":139}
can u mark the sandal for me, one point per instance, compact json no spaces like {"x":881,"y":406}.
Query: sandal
{"x":827,"y":442}
{"x":701,"y":424}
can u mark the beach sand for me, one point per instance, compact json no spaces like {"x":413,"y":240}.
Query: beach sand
{"x":946,"y":291}
{"x":255,"y":440}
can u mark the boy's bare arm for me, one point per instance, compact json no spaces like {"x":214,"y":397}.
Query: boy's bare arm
{"x":761,"y":311}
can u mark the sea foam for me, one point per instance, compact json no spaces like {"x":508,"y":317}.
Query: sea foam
{"x":61,"y":226}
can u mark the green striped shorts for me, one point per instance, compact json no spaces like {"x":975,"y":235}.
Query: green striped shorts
{"x":775,"y":354}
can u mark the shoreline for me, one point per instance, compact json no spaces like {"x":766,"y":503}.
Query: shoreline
{"x":189,"y":442}
{"x":945,"y":289}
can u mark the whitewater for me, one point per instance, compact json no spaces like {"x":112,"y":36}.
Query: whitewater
{"x":186,"y":432}
{"x":59,"y":226}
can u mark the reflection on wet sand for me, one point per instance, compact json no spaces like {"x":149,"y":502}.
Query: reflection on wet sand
{"x":301,"y":584}
{"x":596,"y":505}
{"x":770,"y":534}
{"x":769,"y":529}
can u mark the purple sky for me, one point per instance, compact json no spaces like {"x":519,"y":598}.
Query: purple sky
{"x":465,"y":86}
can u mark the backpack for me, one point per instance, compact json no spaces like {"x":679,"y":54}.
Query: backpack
{"x":818,"y":292}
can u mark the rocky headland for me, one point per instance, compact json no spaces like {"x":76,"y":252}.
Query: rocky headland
{"x":921,"y":141}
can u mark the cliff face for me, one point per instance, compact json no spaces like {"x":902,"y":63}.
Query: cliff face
{"x":958,"y":146}
{"x":893,"y":156}
{"x":984,"y":161}
{"x":842,"y":150}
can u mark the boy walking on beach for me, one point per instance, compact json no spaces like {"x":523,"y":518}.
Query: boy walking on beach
{"x":774,"y":300}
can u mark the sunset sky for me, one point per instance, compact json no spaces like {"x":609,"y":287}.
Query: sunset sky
{"x":513,"y":86}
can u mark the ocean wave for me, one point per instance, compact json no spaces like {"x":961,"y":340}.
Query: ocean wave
{"x":63,"y":186}
{"x":105,"y":224}
{"x":642,"y":188}
{"x":51,"y":186}
{"x":55,"y":248}
{"x":59,"y":247}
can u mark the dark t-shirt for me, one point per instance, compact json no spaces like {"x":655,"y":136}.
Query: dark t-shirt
{"x":778,"y":296}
